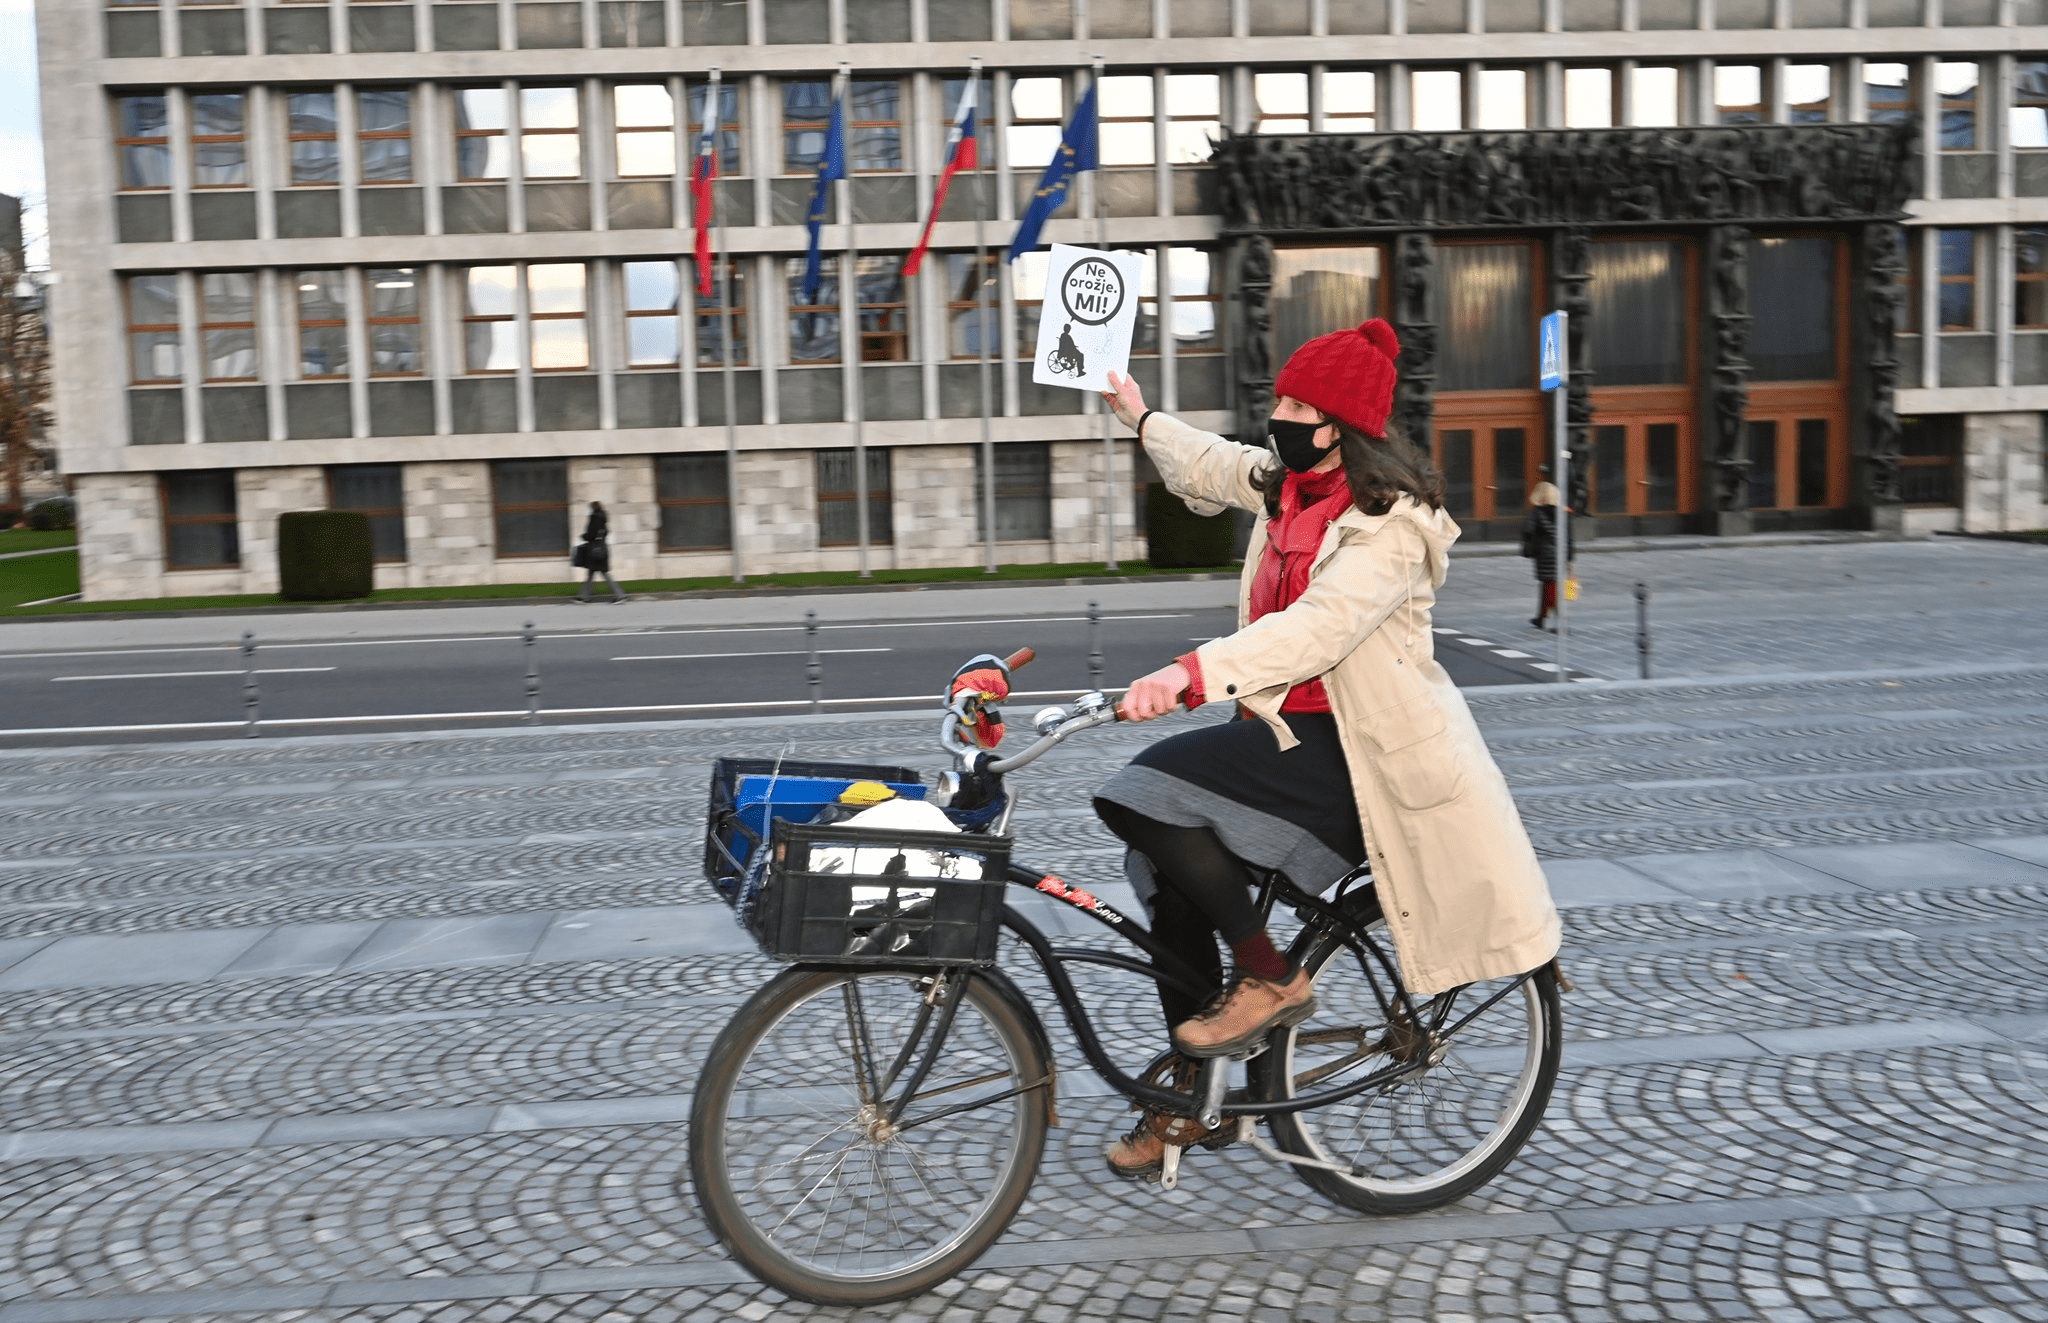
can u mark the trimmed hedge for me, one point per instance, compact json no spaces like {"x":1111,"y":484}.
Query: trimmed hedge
{"x":1181,"y":538}
{"x":323,"y":555}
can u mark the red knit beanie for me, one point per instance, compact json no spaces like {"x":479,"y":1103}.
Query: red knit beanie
{"x":1348,"y":375}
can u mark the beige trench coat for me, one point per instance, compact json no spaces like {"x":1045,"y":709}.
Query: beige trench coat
{"x":1465,"y":898}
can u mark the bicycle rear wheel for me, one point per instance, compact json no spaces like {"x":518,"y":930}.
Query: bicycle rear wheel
{"x":798,"y":1172}
{"x":1431,"y":1136}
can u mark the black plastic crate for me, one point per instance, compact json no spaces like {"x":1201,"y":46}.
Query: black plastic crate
{"x":731,"y":839}
{"x":894,"y":911}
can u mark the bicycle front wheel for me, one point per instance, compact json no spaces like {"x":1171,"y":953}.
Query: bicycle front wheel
{"x":1486,"y":1058}
{"x":801,"y":1174}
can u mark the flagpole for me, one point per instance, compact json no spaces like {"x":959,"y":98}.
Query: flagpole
{"x":981,"y":334}
{"x":849,"y":333}
{"x":1108,"y":432}
{"x":721,"y":264}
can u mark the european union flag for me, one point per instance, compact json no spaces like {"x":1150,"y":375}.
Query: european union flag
{"x":831,"y":166}
{"x":1076,"y":153}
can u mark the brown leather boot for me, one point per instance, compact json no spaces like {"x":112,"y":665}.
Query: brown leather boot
{"x":1251,"y":1009}
{"x":1142,"y":1152}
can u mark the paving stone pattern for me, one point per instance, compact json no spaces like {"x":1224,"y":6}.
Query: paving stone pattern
{"x":375,"y":1028}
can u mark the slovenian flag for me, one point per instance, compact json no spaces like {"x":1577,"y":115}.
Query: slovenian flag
{"x":1076,"y":153}
{"x":703,"y":173}
{"x":831,"y":166}
{"x":962,"y":153}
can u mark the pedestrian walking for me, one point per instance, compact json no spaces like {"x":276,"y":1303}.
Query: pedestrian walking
{"x":594,"y":555}
{"x":1539,"y":543}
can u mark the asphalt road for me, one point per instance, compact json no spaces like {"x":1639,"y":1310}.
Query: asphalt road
{"x":595,"y":674}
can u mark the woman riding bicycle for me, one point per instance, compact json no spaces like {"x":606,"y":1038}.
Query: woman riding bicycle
{"x":1352,"y":741}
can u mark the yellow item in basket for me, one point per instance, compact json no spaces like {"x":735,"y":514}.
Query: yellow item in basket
{"x":864,"y":794}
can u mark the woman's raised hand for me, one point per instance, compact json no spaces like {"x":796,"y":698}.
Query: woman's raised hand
{"x":1125,"y":400}
{"x":1156,"y":694}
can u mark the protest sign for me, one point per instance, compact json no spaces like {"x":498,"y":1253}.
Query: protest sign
{"x":1086,"y":321}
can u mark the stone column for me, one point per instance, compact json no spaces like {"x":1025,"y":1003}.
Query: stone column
{"x":1726,"y":408}
{"x":1252,"y":338}
{"x":1874,"y":437}
{"x":1414,"y":278}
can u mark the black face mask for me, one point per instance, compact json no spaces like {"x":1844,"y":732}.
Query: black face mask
{"x":1296,"y":443}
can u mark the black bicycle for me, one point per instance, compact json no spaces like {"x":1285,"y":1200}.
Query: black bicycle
{"x":871,"y":1119}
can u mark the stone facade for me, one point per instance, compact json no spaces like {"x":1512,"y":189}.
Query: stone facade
{"x":2002,"y":473}
{"x":120,"y":535}
{"x":447,"y":524}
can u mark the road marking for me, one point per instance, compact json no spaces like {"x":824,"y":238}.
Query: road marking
{"x":704,"y":656}
{"x":179,"y":675}
{"x":1510,"y":652}
{"x":921,"y":702}
{"x":1477,"y":643}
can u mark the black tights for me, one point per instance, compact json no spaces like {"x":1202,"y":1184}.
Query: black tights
{"x":1203,"y":890}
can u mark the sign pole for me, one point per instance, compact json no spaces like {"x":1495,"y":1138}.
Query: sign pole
{"x":1553,"y":355}
{"x":1109,"y":493}
{"x":982,"y":280}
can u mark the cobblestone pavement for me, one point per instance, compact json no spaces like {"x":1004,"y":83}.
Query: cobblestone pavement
{"x":1748,"y":609}
{"x":404,"y":1029}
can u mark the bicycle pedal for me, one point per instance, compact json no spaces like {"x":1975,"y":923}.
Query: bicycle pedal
{"x":1169,"y":1167}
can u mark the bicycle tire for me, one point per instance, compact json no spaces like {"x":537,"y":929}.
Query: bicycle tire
{"x":789,"y":1173}
{"x":1428,"y":1139}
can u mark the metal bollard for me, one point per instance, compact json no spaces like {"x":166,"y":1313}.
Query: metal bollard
{"x":531,"y":636}
{"x":1094,"y":647}
{"x":1643,"y":629}
{"x":249,"y":695}
{"x":813,"y":672}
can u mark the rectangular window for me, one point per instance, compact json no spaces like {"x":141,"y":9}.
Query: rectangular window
{"x":378,"y":490}
{"x":838,"y":513}
{"x":227,"y":324}
{"x":1763,"y":463}
{"x":1484,"y":295}
{"x":220,"y":144}
{"x":490,"y":330}
{"x":1958,"y":279}
{"x":1812,"y":461}
{"x":984,"y":117}
{"x":1738,"y":94}
{"x":1350,"y":101}
{"x":393,"y":303}
{"x":728,"y":123}
{"x":1589,"y":98}
{"x":199,"y":520}
{"x":483,"y":144}
{"x":1027,"y":285}
{"x":530,"y":507}
{"x":1023,"y":492}
{"x":384,"y":134}
{"x":1124,"y":102}
{"x":813,"y":328}
{"x":1653,"y":90}
{"x":1280,"y":101}
{"x":1639,"y":313}
{"x":309,"y":129}
{"x":1929,"y":448}
{"x":1317,"y":288}
{"x":1888,"y":92}
{"x":550,"y":138}
{"x":968,"y":327}
{"x":643,"y":118}
{"x":1956,"y":86}
{"x":693,"y":496}
{"x":1809,"y":93}
{"x":806,"y":119}
{"x":1437,"y":100}
{"x":557,"y":301}
{"x":651,"y":318}
{"x":323,"y":323}
{"x":2030,"y":278}
{"x":1908,"y":319}
{"x":153,"y":329}
{"x":1197,"y":282}
{"x":712,"y":316}
{"x":1037,"y":113}
{"x":2027,"y":117}
{"x":1792,"y":306}
{"x":1145,"y":331}
{"x":143,"y":141}
{"x":874,"y":124}
{"x":884,"y":315}
{"x":1194,"y":116}
{"x":1503,"y":99}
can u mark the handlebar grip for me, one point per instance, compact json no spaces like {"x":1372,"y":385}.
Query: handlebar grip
{"x":1021,"y":657}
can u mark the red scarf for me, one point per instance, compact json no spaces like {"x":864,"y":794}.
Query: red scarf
{"x":1309,"y":503}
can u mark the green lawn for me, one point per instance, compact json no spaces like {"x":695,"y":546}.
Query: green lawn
{"x":33,"y":578}
{"x":22,"y":539}
{"x":521,"y":591}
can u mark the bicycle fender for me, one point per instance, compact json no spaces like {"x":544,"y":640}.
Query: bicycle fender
{"x":1006,"y":988}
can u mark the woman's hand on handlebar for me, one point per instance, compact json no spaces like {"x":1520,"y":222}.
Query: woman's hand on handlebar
{"x":1125,"y":400}
{"x":1156,"y":694}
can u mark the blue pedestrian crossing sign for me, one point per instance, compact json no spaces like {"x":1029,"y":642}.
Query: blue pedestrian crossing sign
{"x":1550,"y":357}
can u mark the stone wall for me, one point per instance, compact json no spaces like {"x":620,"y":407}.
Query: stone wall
{"x":625,"y":483}
{"x":448,"y":538}
{"x":2002,"y":472}
{"x":120,"y":536}
{"x":261,"y":495}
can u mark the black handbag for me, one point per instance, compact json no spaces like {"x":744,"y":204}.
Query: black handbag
{"x":580,"y":558}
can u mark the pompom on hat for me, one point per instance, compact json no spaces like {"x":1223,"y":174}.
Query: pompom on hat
{"x":1348,"y":375}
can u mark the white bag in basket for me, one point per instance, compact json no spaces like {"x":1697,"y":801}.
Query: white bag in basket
{"x":875,"y":860}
